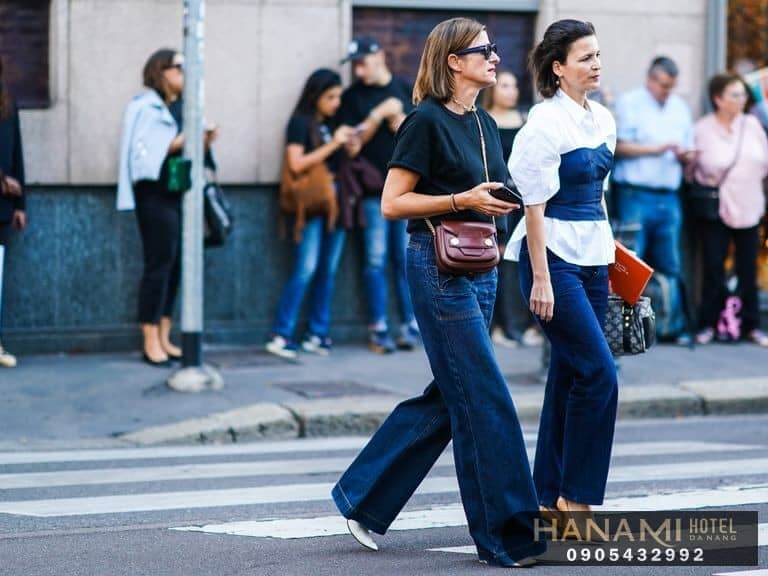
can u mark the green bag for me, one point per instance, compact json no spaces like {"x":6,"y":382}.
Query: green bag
{"x":179,"y":178}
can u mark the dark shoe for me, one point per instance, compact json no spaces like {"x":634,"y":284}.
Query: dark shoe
{"x":157,"y":364}
{"x":381,"y":342}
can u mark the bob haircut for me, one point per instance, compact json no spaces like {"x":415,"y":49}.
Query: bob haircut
{"x":554,"y":47}
{"x":435,"y":78}
{"x":155,"y":68}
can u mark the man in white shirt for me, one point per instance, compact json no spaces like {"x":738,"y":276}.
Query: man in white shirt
{"x":655,"y":140}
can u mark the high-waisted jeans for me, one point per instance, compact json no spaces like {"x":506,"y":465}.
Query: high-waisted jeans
{"x":467,"y":402}
{"x":578,"y":417}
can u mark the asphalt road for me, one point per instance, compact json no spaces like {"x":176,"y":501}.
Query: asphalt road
{"x":264,"y":509}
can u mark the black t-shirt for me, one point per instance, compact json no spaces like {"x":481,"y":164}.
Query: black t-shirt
{"x":444,"y":149}
{"x":357,"y":102}
{"x":301,"y":131}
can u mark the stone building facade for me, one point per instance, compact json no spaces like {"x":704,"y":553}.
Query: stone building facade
{"x":71,"y":279}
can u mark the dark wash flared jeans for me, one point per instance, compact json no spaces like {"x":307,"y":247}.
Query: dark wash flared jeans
{"x":467,"y":402}
{"x":578,"y":418}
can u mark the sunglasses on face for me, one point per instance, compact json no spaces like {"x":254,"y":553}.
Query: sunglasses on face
{"x":179,"y":67}
{"x":486,"y":50}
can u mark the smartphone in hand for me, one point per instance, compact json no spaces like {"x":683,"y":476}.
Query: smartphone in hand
{"x":507,"y":194}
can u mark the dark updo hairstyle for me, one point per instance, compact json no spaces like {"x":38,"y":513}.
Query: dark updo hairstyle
{"x":554,"y":47}
{"x":719,"y":82}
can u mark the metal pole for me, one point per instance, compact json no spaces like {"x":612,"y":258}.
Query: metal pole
{"x":192,"y":228}
{"x":194,"y":376}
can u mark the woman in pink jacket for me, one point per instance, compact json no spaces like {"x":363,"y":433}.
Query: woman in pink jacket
{"x":732,"y":153}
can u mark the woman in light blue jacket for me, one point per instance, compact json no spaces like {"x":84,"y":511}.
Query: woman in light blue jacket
{"x":151,"y":135}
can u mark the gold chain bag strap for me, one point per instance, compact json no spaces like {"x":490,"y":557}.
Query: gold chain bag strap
{"x":466,"y":247}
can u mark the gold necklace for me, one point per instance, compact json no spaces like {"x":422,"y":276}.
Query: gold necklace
{"x":464,"y":106}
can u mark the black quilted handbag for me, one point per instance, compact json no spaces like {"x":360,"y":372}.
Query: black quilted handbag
{"x":629,"y":329}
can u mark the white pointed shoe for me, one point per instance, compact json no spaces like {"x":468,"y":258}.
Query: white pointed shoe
{"x":7,"y":360}
{"x":362,"y":535}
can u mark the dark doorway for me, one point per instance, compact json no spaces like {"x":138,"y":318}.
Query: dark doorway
{"x":402,"y":34}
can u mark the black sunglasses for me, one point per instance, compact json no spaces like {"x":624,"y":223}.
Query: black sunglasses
{"x":179,"y":67}
{"x":485,"y":50}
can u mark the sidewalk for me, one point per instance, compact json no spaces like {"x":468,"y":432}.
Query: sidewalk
{"x":99,"y":400}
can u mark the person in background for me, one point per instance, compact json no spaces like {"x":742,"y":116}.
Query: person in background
{"x":501,"y":102}
{"x":655,"y":140}
{"x":13,"y":214}
{"x":311,"y":138}
{"x":151,"y":136}
{"x":742,"y":67}
{"x":376,"y":104}
{"x":730,"y":138}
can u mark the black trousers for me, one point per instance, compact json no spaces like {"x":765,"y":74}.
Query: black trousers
{"x":716,"y":238}
{"x":159,"y":216}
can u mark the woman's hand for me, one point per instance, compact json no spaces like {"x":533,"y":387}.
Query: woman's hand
{"x":480,"y":200}
{"x":390,"y":107}
{"x":11,"y":187}
{"x":542,"y":302}
{"x":19,"y":221}
{"x":342,"y":135}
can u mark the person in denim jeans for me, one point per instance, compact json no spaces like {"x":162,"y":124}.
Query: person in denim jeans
{"x":437,"y":171}
{"x":655,"y":139}
{"x":376,"y":104}
{"x":564,"y":243}
{"x":309,"y":141}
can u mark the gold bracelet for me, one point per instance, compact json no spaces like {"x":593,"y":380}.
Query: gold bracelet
{"x":453,"y":203}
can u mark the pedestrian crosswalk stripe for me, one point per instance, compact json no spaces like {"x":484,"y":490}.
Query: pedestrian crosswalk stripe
{"x":180,"y":472}
{"x":287,"y":446}
{"x":311,"y":492}
{"x":634,"y":473}
{"x":743,"y":573}
{"x":292,"y":528}
{"x":315,"y":445}
{"x":444,"y":516}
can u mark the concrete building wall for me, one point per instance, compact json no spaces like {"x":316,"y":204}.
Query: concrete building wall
{"x":258,"y":54}
{"x":632,"y":32}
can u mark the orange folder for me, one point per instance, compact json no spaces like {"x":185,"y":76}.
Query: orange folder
{"x":628,"y":275}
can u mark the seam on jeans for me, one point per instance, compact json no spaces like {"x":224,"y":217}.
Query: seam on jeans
{"x":471,"y":431}
{"x":344,"y":494}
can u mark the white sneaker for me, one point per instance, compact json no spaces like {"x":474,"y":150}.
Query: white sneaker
{"x":362,"y":535}
{"x":7,"y":360}
{"x":532,"y":337}
{"x":279,"y":346}
{"x":498,"y":337}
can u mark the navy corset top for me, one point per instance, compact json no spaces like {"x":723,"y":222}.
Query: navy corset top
{"x":581,"y":174}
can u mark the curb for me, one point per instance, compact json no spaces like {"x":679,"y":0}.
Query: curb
{"x":362,"y":415}
{"x":742,"y":396}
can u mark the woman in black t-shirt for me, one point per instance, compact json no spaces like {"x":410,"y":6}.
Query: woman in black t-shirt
{"x":437,"y":172}
{"x":310,"y":139}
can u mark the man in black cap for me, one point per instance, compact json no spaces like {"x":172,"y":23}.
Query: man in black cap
{"x":377,"y":103}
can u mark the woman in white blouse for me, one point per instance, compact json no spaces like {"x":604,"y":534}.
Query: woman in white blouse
{"x":564,"y":245}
